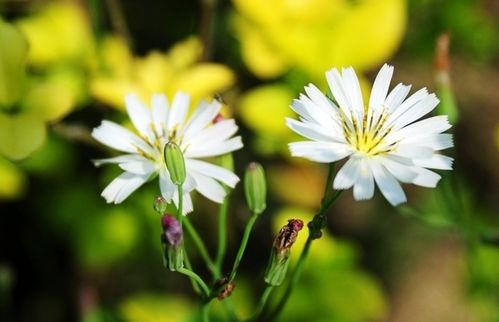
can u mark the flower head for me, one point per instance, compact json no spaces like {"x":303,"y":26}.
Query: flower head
{"x":385,"y":142}
{"x":197,"y":136}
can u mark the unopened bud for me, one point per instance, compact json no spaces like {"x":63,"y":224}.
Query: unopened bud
{"x":224,"y":288}
{"x":255,"y":188}
{"x":172,"y":239}
{"x":175,"y":163}
{"x":281,"y":250}
{"x":160,"y":205}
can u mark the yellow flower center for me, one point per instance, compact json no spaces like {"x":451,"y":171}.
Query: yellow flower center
{"x":369,"y":136}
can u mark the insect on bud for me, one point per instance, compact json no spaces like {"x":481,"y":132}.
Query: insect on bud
{"x":281,"y":250}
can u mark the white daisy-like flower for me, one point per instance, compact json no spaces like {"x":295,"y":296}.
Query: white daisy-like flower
{"x":198,"y":137}
{"x":385,"y":142}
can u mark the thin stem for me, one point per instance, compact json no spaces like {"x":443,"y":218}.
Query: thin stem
{"x":242,"y":247}
{"x":294,"y":280}
{"x":197,"y":278}
{"x":198,"y":242}
{"x":180,"y":204}
{"x":188,"y":265}
{"x":208,"y":17}
{"x":261,"y":303}
{"x":222,"y":236}
{"x":205,"y":312}
{"x":315,"y":227}
{"x":118,"y":21}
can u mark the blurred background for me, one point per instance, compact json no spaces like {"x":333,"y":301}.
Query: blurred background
{"x":65,"y":255}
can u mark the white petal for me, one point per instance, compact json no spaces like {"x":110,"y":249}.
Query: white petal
{"x":324,"y":152}
{"x":141,"y":167}
{"x":119,"y":159}
{"x":320,"y":102}
{"x":364,"y":185}
{"x":426,"y":178}
{"x":403,"y":172}
{"x":429,"y":126}
{"x":122,"y":186}
{"x":338,"y":90}
{"x":380,"y":87}
{"x":213,"y":149}
{"x":413,"y":151}
{"x":166,"y":185}
{"x":388,"y":185}
{"x":208,"y":187}
{"x":178,"y":111}
{"x":437,"y":161}
{"x":214,"y":171}
{"x":214,"y":134}
{"x":202,"y":116}
{"x":315,"y":132}
{"x":397,"y":96}
{"x":186,"y":202}
{"x":347,"y":175}
{"x":435,"y":141}
{"x":159,"y":114}
{"x":417,"y":111}
{"x":140,"y":116}
{"x":351,"y":84}
{"x":407,"y":104}
{"x":120,"y":138}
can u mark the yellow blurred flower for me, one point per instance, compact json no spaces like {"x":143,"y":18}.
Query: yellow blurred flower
{"x":13,"y":180}
{"x":121,"y":73}
{"x":315,"y":35}
{"x":57,"y":33}
{"x":149,"y":307}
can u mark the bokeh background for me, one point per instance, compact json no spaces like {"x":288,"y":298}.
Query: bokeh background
{"x":65,"y":255}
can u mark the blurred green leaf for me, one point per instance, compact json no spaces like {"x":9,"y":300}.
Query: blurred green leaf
{"x":13,"y":53}
{"x":105,"y":238}
{"x":20,"y":135}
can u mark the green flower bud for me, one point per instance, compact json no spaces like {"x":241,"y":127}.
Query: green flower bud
{"x":281,"y":250}
{"x":255,"y":188}
{"x":160,"y":205}
{"x":175,"y":163}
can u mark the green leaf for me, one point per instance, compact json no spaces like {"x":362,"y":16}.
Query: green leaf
{"x":13,"y":53}
{"x":20,"y":135}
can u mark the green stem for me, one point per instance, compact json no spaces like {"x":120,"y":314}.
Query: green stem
{"x":187,"y":263}
{"x":294,"y":280}
{"x":118,"y":21}
{"x":261,"y":303}
{"x":180,"y":215}
{"x":242,"y":247}
{"x":197,"y":278}
{"x":198,"y":242}
{"x":222,"y":236}
{"x":205,"y":312}
{"x":315,"y":227}
{"x":208,"y":17}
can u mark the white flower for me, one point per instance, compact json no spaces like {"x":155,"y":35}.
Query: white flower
{"x":384,"y":141}
{"x":198,"y":137}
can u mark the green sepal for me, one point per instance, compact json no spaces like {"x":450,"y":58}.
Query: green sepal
{"x":277,"y":268}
